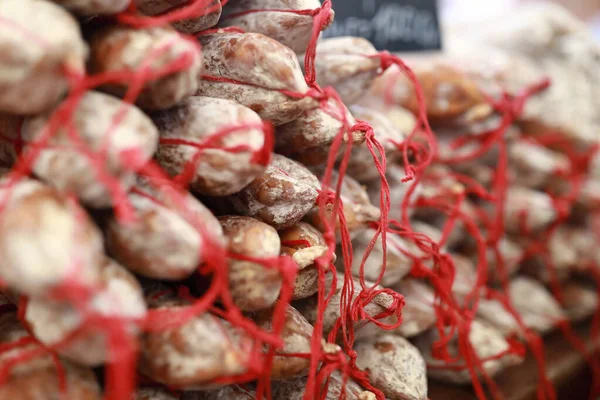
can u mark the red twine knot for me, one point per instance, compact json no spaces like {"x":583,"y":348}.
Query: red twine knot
{"x":387,"y":59}
{"x":328,"y":197}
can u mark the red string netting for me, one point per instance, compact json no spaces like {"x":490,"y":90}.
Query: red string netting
{"x":579,"y":161}
{"x":452,"y":319}
{"x":432,"y":264}
{"x":27,"y":348}
{"x":120,"y":369}
{"x":510,"y":108}
{"x":351,"y":309}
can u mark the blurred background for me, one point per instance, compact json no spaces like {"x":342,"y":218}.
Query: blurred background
{"x":469,"y":11}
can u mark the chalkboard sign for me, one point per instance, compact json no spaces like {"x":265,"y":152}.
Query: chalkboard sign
{"x":394,"y":25}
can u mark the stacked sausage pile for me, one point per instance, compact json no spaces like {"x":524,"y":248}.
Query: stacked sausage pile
{"x":515,"y":180}
{"x":202,"y":200}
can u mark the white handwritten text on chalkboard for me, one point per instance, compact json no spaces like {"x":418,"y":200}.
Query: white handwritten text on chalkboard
{"x":394,"y":25}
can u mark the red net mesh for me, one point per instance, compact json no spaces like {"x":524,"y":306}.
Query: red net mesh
{"x":418,"y":151}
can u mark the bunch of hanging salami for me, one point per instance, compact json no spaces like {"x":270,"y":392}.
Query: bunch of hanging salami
{"x":206,"y":200}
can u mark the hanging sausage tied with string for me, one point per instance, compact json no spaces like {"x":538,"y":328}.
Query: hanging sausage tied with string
{"x":205,"y":200}
{"x":533,"y":222}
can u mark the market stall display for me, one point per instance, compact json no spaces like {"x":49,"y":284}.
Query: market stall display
{"x":205,"y":200}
